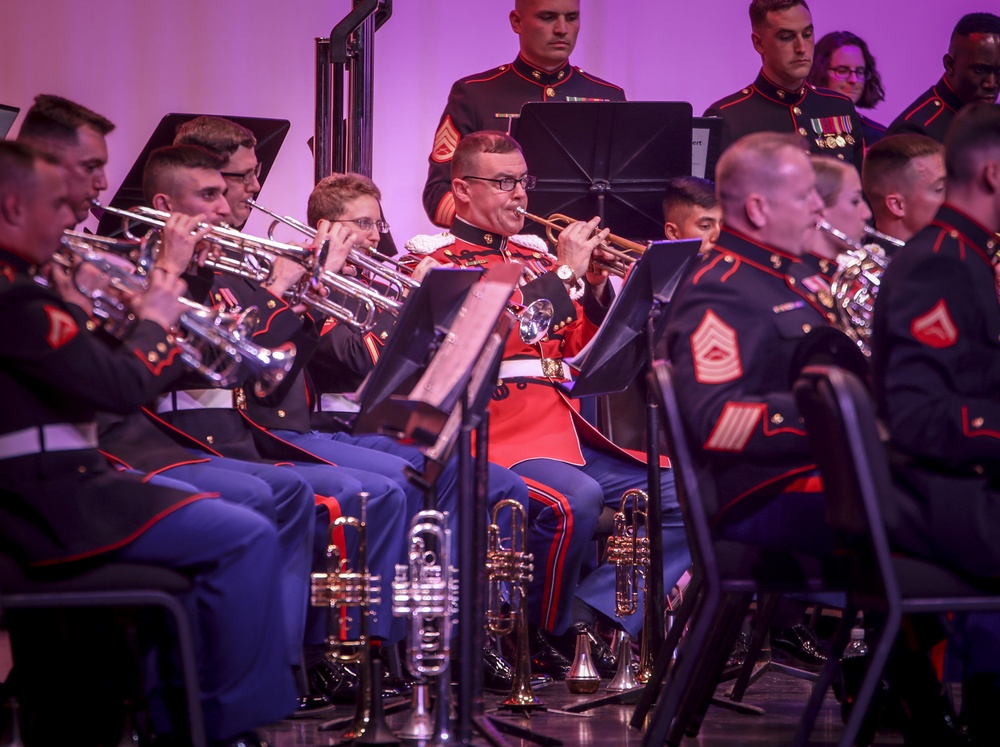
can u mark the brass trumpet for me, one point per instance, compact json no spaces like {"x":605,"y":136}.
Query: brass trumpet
{"x":621,"y":249}
{"x":510,"y":567}
{"x":629,"y":553}
{"x":216,"y":344}
{"x":341,"y":588}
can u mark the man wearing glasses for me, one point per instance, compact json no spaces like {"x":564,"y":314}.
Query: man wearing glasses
{"x":236,"y":144}
{"x":971,"y":73}
{"x":780,"y":100}
{"x":535,"y":428}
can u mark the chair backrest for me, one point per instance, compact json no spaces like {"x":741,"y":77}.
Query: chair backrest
{"x":694,"y":484}
{"x":840,"y":420}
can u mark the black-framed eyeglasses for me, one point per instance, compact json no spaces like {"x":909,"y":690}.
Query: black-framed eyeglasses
{"x":843,"y":72}
{"x":508,"y":183}
{"x":246,"y":177}
{"x":366,"y":224}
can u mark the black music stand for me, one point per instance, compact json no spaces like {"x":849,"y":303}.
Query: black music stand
{"x":621,"y":348}
{"x":611,"y":159}
{"x":270,"y":134}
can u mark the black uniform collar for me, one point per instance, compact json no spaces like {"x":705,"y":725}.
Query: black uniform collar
{"x":774,"y":260}
{"x":776,"y":93}
{"x":955,"y":221}
{"x":529,"y":72}
{"x":468,"y":233}
{"x":14,"y":260}
{"x":944,"y":91}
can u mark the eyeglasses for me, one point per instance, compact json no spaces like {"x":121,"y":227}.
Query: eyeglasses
{"x":508,"y":183}
{"x":842,"y":72}
{"x":246,"y":177}
{"x":366,"y":224}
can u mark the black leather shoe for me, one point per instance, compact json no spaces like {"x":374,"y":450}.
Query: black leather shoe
{"x":332,"y":680}
{"x":546,"y":657}
{"x":600,"y":652}
{"x":800,"y":643}
{"x":737,"y":657}
{"x":498,"y":673}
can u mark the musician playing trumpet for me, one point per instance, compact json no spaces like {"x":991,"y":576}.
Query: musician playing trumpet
{"x":535,"y":428}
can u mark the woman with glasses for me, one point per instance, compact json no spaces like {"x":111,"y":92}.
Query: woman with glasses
{"x":842,"y":63}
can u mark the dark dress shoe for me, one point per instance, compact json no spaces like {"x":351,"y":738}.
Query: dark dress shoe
{"x":600,"y":652}
{"x":737,"y":657}
{"x":546,"y":657}
{"x":800,"y":643}
{"x":498,"y":673}
{"x":332,"y":680}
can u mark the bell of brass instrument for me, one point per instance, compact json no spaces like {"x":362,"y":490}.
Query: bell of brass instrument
{"x":426,"y":592}
{"x":624,"y":251}
{"x":509,"y":568}
{"x":215,"y":344}
{"x":628,"y":551}
{"x":341,"y":589}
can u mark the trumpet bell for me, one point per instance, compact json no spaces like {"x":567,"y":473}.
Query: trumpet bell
{"x":535,"y":321}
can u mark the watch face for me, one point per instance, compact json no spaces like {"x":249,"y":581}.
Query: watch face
{"x":565,"y":272}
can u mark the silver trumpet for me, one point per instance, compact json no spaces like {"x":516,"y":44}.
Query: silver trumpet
{"x":215,"y":344}
{"x":426,"y":592}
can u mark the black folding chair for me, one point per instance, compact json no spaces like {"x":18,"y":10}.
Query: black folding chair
{"x":857,"y":485}
{"x":725,"y":577}
{"x":114,"y":585}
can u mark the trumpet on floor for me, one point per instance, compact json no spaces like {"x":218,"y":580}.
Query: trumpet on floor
{"x":215,"y":344}
{"x":624,"y":252}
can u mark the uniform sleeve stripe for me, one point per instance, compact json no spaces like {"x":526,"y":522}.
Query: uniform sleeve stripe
{"x":735,"y":426}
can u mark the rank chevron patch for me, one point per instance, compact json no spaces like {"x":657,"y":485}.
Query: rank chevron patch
{"x":445,"y":141}
{"x":62,"y":327}
{"x":716,"y":351}
{"x":735,"y":426}
{"x":935,"y":328}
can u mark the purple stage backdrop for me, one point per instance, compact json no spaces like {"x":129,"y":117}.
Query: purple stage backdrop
{"x":135,"y":60}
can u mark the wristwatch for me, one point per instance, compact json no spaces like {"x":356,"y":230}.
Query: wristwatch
{"x":566,"y":274}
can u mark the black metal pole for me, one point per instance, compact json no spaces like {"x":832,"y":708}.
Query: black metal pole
{"x":654,"y":581}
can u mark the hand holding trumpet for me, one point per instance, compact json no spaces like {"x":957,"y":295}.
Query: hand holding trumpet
{"x":579,"y":244}
{"x":161,"y":303}
{"x":182,"y":242}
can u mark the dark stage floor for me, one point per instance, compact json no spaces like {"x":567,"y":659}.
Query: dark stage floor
{"x":781,"y":696}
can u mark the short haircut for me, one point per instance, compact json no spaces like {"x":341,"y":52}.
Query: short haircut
{"x":829,"y":177}
{"x":760,"y":8}
{"x":886,"y":162}
{"x":221,"y":136}
{"x":18,"y":166}
{"x":484,"y":141}
{"x":687,"y":192}
{"x":333,"y":192}
{"x":976,"y":23}
{"x":164,"y":161}
{"x":53,"y":120}
{"x":975,"y":130}
{"x":742,"y":169}
{"x":819,"y":75}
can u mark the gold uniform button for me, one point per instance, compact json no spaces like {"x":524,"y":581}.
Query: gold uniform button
{"x":536,"y":75}
{"x":802,"y":131}
{"x":281,"y":413}
{"x":152,"y":357}
{"x":781,"y":94}
{"x":550,"y":92}
{"x":807,"y":328}
{"x":210,"y":439}
{"x":745,"y":90}
{"x":499,"y":382}
{"x":777,"y":419}
{"x":978,"y":423}
{"x":791,"y":281}
{"x":161,"y":346}
{"x":271,"y":303}
{"x":978,"y":469}
{"x":953,"y":234}
{"x":383,"y":335}
{"x":728,"y":259}
{"x":81,"y":469}
{"x":937,"y":103}
{"x":796,"y":111}
{"x":91,"y":325}
{"x":840,"y":156}
{"x":561,"y":74}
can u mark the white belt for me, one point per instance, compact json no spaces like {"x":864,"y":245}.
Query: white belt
{"x":545,"y":368}
{"x":337,"y":403}
{"x":200,"y":399}
{"x":52,"y":437}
